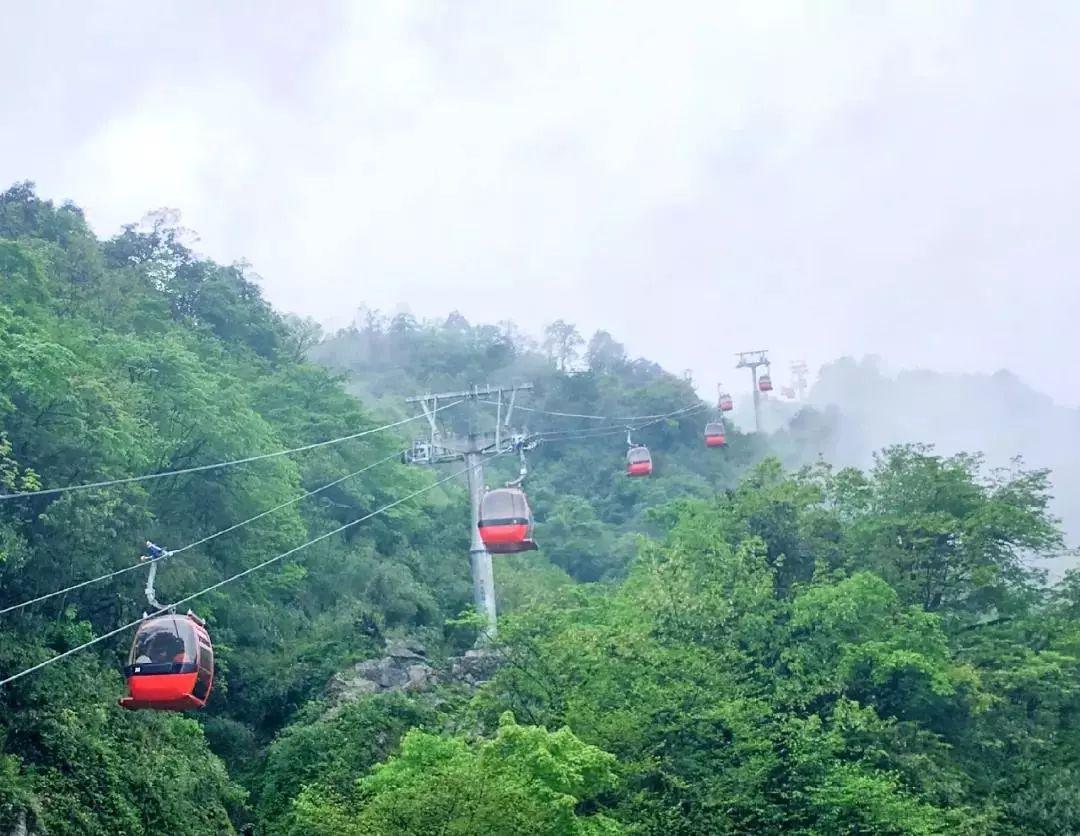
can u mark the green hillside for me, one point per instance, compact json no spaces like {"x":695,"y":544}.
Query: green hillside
{"x":748,"y":641}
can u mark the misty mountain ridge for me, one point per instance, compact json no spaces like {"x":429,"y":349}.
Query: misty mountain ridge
{"x":998,"y":415}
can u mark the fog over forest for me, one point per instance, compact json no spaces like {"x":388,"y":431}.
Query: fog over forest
{"x":258,"y":579}
{"x":870,"y":406}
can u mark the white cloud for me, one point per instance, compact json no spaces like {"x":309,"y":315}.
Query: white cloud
{"x":697,"y":178}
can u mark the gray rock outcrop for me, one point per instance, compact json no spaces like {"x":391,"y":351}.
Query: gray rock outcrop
{"x":405,"y":668}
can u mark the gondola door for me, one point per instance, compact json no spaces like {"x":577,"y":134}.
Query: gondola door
{"x":205,"y":678}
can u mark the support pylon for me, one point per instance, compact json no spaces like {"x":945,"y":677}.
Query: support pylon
{"x":441,"y":447}
{"x":751,"y":360}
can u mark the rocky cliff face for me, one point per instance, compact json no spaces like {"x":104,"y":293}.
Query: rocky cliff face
{"x":405,"y":667}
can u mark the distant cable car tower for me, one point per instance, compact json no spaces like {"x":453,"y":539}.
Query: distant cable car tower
{"x":799,"y":375}
{"x":752,"y":360}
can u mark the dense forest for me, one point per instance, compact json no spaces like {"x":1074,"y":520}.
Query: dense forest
{"x":750,"y":641}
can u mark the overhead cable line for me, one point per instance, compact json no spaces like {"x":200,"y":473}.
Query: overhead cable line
{"x":592,"y":433}
{"x":217,"y":465}
{"x":587,"y":433}
{"x":571,"y":435}
{"x":203,"y":540}
{"x":630,"y":418}
{"x":687,"y":410}
{"x":117,"y":631}
{"x":546,"y":436}
{"x":604,"y":434}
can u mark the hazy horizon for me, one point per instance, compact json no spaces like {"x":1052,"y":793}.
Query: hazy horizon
{"x":819,"y":181}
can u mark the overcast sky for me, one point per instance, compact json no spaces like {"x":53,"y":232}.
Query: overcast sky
{"x":698,"y":178}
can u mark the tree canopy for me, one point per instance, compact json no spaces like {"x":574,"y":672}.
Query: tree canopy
{"x":750,"y":641}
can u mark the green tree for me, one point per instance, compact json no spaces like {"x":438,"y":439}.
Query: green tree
{"x":524,"y":780}
{"x":561,"y":342}
{"x":604,"y":353}
{"x":942,"y":534}
{"x":330,"y":752}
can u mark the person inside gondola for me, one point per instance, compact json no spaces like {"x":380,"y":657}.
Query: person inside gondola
{"x":162,"y":648}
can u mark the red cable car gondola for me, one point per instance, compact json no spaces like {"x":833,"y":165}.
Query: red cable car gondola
{"x":726,"y":404}
{"x":764,"y":383}
{"x":171,"y":666}
{"x":638,"y":461}
{"x":506,"y":523}
{"x":714,"y":434}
